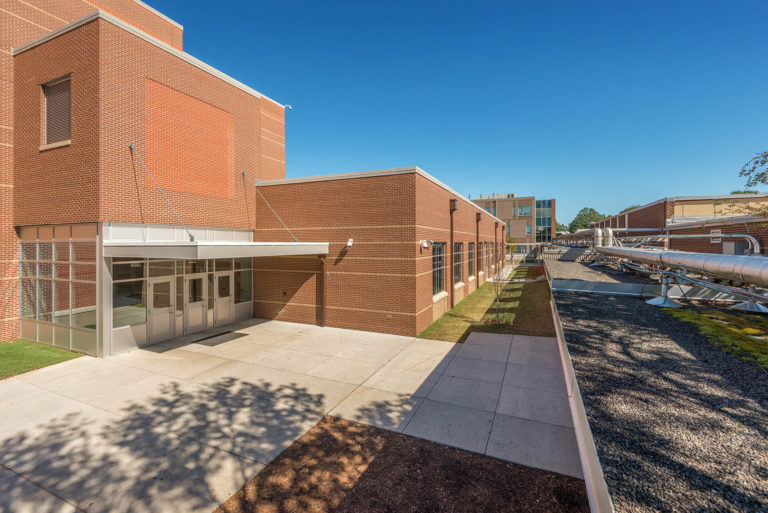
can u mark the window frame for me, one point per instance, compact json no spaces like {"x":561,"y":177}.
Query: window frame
{"x":470,"y":259}
{"x":46,"y":132}
{"x":458,"y":267}
{"x":438,"y":267}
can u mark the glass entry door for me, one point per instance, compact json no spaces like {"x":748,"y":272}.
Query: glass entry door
{"x":224,"y":299}
{"x":162,"y":310}
{"x":194,"y":303}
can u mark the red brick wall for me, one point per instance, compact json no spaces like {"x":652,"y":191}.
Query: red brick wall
{"x":433,"y":222}
{"x":23,"y":21}
{"x":384,"y":281}
{"x":703,"y":245}
{"x":651,"y":216}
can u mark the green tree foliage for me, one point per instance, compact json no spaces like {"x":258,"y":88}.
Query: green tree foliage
{"x":562,"y":227}
{"x":631,"y":207}
{"x":756,"y":173}
{"x":583,"y":219}
{"x":746,"y":191}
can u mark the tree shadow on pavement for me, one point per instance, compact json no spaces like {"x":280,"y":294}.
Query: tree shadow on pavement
{"x":187,"y":447}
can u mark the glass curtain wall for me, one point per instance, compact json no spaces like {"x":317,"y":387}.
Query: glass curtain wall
{"x":544,"y":220}
{"x":58,"y":286}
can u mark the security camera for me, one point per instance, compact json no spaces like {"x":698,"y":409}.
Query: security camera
{"x":288,"y":107}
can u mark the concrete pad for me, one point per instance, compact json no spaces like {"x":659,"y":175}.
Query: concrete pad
{"x":494,"y":352}
{"x":367,"y":353}
{"x":434,"y":347}
{"x":489,"y":339}
{"x":535,"y":444}
{"x":329,"y":392}
{"x":530,"y":404}
{"x":478,"y":370}
{"x":378,"y":408}
{"x":85,"y":386}
{"x":537,"y":378}
{"x":348,"y":371}
{"x":547,"y":360}
{"x":322,"y":345}
{"x":465,"y":392}
{"x":293,"y":361}
{"x":126,"y":398}
{"x":529,"y":343}
{"x":419,"y":361}
{"x":176,"y":363}
{"x":402,"y":381}
{"x":19,"y":495}
{"x":465,"y":428}
{"x":61,"y":371}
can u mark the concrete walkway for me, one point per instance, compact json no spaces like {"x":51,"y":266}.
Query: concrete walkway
{"x":182,"y":426}
{"x":639,"y":290}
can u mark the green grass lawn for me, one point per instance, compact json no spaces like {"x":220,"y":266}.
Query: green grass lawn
{"x":732,"y":332}
{"x":20,"y":356}
{"x":523,"y":310}
{"x":520,"y":273}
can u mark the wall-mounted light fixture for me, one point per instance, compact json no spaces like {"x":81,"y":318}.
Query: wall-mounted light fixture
{"x":424,"y":244}
{"x":349,"y":243}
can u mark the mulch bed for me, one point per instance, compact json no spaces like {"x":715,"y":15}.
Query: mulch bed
{"x":343,"y":466}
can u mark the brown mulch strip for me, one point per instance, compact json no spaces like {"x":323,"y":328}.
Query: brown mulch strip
{"x":343,"y":466}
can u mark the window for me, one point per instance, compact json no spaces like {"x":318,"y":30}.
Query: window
{"x":487,"y":258}
{"x":129,"y":303}
{"x":528,"y":229}
{"x":57,"y":115}
{"x":479,"y":257}
{"x":471,"y":259}
{"x":458,"y":249}
{"x":438,"y":267}
{"x":524,"y":210}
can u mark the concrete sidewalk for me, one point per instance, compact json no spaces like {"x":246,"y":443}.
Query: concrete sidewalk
{"x":182,"y":426}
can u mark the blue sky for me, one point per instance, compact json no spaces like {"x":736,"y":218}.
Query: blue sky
{"x":601,"y":104}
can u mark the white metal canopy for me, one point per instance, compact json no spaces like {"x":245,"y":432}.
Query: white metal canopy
{"x":202,"y":249}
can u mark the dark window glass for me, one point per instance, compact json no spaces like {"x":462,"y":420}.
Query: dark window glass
{"x":130,"y":271}
{"x":458,"y":250}
{"x":243,"y":263}
{"x":57,"y":112}
{"x":160,"y":268}
{"x":129,"y":303}
{"x":243,"y":286}
{"x":195,"y":266}
{"x":438,"y":267}
{"x":471,"y":259}
{"x":224,"y":264}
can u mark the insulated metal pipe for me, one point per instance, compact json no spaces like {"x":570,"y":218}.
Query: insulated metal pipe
{"x":751,"y":240}
{"x":747,"y":269}
{"x":598,"y":237}
{"x":608,"y":241}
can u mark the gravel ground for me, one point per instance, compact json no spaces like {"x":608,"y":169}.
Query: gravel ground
{"x":581,"y":271}
{"x":679,"y":425}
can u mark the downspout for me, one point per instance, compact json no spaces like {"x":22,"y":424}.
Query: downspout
{"x":478,"y":217}
{"x":495,"y":247}
{"x":453,"y":206}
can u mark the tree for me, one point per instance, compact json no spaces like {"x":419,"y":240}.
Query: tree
{"x":561,"y":227}
{"x":631,"y":207}
{"x":746,"y":191}
{"x":583,"y":219}
{"x":756,"y":173}
{"x":511,"y":246}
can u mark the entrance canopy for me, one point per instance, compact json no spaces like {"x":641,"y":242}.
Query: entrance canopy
{"x":203,"y":249}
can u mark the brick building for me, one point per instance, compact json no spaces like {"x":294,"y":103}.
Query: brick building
{"x":699,"y":215}
{"x":529,"y":220}
{"x":146,"y":199}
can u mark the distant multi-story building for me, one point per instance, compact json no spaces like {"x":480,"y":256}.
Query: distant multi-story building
{"x":529,"y":220}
